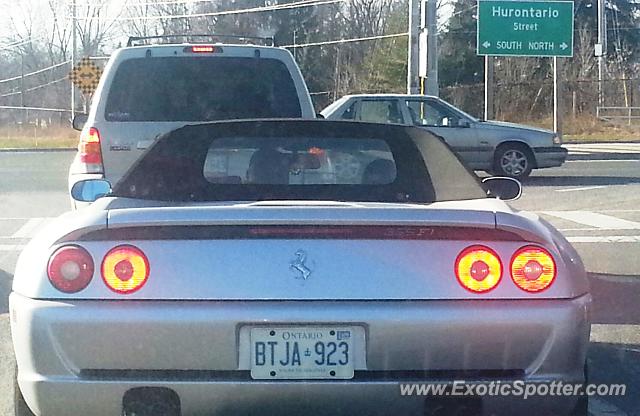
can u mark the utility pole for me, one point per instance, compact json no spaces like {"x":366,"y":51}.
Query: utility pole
{"x":294,"y":45}
{"x":73,"y":56}
{"x":21,"y":79}
{"x":557,"y":96}
{"x":431,"y":18}
{"x":412,"y":58}
{"x":24,"y":117}
{"x":488,"y":87}
{"x":601,"y":49}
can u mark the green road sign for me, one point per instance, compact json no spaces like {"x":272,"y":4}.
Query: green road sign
{"x":525,"y":28}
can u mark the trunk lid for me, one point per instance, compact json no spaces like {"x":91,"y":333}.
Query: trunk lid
{"x":300,"y":250}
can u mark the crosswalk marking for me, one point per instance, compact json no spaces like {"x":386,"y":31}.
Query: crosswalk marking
{"x":29,"y":228}
{"x":584,"y":188}
{"x":11,"y":247}
{"x":594,"y":219}
{"x":604,"y":239}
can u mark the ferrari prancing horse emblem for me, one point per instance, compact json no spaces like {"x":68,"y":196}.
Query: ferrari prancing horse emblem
{"x":299,"y":266}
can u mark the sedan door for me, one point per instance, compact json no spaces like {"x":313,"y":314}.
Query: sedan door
{"x":454,"y":128}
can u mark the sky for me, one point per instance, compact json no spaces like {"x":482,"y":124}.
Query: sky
{"x":21,"y":13}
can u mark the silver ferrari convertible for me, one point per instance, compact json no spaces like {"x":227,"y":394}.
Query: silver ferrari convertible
{"x":290,"y":267}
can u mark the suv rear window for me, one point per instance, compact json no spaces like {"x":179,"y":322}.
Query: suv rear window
{"x":201,"y":89}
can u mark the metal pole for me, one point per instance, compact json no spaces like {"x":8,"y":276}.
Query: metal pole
{"x":602,"y":41}
{"x":432,"y":48}
{"x":21,"y":79}
{"x":488,"y":87}
{"x":557,"y":97}
{"x":294,"y":45}
{"x":412,"y":58}
{"x":73,"y":56}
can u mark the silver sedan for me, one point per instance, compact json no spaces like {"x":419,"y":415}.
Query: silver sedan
{"x":297,"y":267}
{"x":505,"y":149}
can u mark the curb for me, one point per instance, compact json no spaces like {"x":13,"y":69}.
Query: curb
{"x":602,"y":142}
{"x":604,"y":156}
{"x":37,"y":150}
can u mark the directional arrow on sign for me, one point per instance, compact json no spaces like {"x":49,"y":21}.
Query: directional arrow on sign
{"x":85,"y":75}
{"x":563,"y":46}
{"x":486,"y":44}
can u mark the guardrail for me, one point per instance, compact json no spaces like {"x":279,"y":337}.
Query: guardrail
{"x":619,"y":115}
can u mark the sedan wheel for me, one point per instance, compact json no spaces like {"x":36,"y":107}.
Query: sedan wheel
{"x":513,"y":161}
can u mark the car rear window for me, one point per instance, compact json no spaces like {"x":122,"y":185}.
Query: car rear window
{"x":299,"y":160}
{"x":201,"y":89}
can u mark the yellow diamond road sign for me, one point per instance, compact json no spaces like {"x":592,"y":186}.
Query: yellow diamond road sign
{"x":85,"y":75}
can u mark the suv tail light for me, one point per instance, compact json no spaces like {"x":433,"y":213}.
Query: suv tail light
{"x":89,"y":150}
{"x":125,"y":269}
{"x":70,"y":269}
{"x":478,"y":269}
{"x":533,"y":269}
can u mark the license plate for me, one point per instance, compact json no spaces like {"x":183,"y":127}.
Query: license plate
{"x":302,"y":353}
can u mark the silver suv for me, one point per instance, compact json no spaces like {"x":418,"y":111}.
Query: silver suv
{"x":149,"y":90}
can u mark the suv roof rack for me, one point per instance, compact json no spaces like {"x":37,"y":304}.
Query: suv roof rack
{"x":268,"y":41}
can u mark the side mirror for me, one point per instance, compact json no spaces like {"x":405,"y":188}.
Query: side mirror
{"x":79,"y":121}
{"x":464,"y":123}
{"x":507,"y":189}
{"x":89,"y":190}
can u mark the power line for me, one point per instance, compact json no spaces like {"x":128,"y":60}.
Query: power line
{"x":334,"y":42}
{"x":34,"y":88}
{"x":13,"y":107}
{"x":293,"y":5}
{"x":162,"y":3}
{"x":20,"y":43}
{"x":14,"y":44}
{"x":35,"y":72}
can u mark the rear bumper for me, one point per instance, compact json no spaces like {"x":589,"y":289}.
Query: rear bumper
{"x":547,"y":157}
{"x":72,"y":356}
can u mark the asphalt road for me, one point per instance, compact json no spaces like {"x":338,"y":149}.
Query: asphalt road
{"x":595,"y":202}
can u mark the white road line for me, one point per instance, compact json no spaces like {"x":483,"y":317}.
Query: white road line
{"x":12,"y":247}
{"x":600,"y":150}
{"x":603,"y":161}
{"x":584,"y":188}
{"x":586,"y":229}
{"x":16,"y":218}
{"x":604,"y":239}
{"x":594,"y":219}
{"x":28,"y":228}
{"x":615,"y":333}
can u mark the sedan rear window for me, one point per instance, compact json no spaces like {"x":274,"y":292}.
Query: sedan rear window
{"x":201,"y":89}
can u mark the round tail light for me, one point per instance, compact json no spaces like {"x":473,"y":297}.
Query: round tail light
{"x":70,"y":269}
{"x":125,"y":269}
{"x":533,"y":269}
{"x":478,"y":269}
